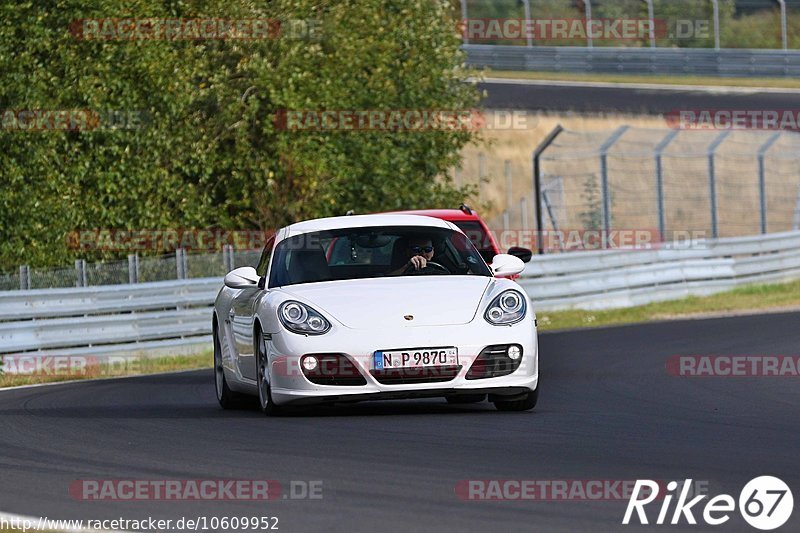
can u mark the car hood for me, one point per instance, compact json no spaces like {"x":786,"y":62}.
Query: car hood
{"x":387,"y":302}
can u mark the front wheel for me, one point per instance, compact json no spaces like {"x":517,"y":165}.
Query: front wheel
{"x":268,"y":407}
{"x":227,"y":398}
{"x":525,"y":404}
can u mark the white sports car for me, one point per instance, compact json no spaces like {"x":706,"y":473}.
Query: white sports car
{"x":374,"y":307}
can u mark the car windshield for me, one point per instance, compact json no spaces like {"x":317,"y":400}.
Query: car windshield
{"x":359,"y":253}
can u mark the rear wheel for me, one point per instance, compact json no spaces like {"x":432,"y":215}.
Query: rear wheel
{"x":268,"y":407}
{"x":227,"y":398}
{"x":523,"y":404}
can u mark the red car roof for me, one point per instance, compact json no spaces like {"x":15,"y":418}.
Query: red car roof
{"x":444,"y":214}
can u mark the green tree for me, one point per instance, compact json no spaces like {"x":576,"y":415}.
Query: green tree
{"x":210,"y":154}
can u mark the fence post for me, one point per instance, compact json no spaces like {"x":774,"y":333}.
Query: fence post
{"x":715,"y":5}
{"x":227,"y":257}
{"x":523,"y":209}
{"x":712,"y":181}
{"x":659,"y":151}
{"x":651,"y":16}
{"x":537,"y":182}
{"x":796,"y":224}
{"x":509,"y":184}
{"x":180,"y":265}
{"x":464,"y":21}
{"x":784,"y":28}
{"x":481,"y":174}
{"x":457,"y":176}
{"x":587,"y":5}
{"x":24,"y":278}
{"x":762,"y":178}
{"x":133,"y":268}
{"x":80,"y":273}
{"x":604,"y":189}
{"x":528,"y":36}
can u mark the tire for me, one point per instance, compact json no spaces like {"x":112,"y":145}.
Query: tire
{"x":525,"y":404}
{"x":265,"y":402}
{"x":462,"y":399}
{"x":227,"y":398}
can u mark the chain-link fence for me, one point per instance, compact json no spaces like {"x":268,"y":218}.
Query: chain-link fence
{"x":715,"y":183}
{"x":772,"y":24}
{"x":136,"y":269}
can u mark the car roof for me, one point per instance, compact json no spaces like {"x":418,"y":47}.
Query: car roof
{"x":364,"y":221}
{"x":443,"y":214}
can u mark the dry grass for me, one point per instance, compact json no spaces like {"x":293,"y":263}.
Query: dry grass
{"x":632,"y":174}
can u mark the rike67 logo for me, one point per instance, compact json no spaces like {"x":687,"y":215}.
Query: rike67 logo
{"x":765,"y":503}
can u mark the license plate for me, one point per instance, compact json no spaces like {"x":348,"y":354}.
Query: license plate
{"x":415,"y":358}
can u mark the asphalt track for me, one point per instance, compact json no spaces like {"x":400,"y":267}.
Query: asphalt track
{"x":608,"y":410}
{"x":617,"y":99}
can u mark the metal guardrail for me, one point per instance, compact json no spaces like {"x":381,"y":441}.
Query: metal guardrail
{"x":622,"y":278}
{"x":616,"y":60}
{"x":171,"y":315}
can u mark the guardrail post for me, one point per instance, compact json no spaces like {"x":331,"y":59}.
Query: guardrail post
{"x":133,"y":268}
{"x":659,"y":151}
{"x":762,"y":178}
{"x":712,"y":181}
{"x":80,"y":273}
{"x":604,"y":149}
{"x":537,"y":183}
{"x":24,"y":278}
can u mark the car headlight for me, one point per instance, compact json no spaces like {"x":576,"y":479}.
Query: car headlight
{"x":507,"y":308}
{"x":300,"y":318}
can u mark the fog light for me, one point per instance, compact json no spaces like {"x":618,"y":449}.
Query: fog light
{"x":514,"y":352}
{"x":310,"y":363}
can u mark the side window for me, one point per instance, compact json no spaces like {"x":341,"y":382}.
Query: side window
{"x":263,"y":263}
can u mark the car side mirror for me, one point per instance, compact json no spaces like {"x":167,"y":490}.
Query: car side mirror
{"x":505,"y":265}
{"x":523,"y":253}
{"x":242,"y":278}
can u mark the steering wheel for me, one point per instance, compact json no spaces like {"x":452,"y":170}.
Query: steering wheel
{"x":431,"y":267}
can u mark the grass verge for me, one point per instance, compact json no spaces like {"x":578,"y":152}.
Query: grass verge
{"x":772,"y":83}
{"x":118,"y":368}
{"x":738,"y":301}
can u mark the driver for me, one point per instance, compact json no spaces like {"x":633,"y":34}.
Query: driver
{"x":420,"y":251}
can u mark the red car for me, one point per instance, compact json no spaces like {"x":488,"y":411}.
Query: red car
{"x":475,"y":228}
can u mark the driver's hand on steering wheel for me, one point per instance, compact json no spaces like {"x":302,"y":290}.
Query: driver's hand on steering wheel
{"x":418,"y":262}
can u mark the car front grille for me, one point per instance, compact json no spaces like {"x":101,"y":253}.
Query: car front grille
{"x":409,"y":376}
